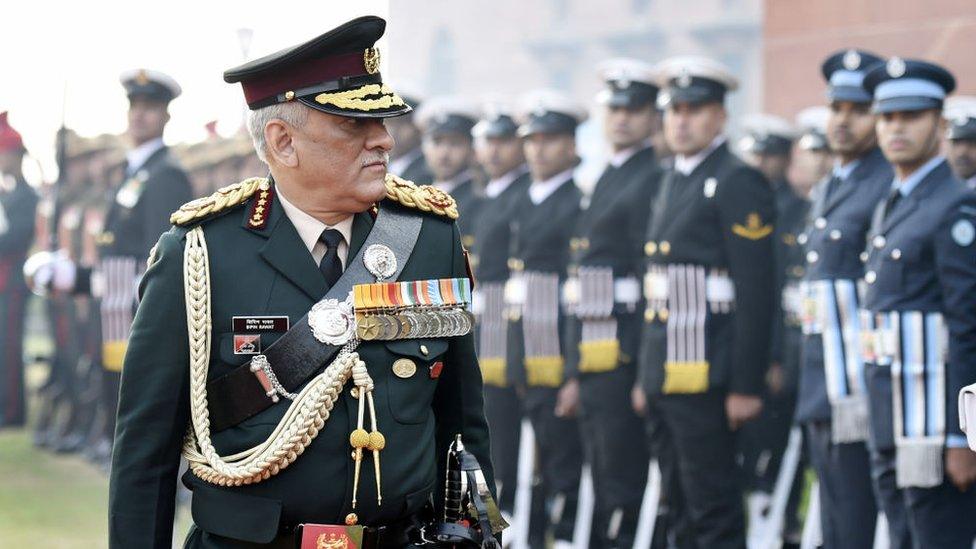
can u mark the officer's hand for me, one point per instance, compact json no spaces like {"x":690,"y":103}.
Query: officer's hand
{"x":568,"y":399}
{"x":774,"y":378}
{"x":960,"y":464}
{"x":741,"y":408}
{"x":638,"y":400}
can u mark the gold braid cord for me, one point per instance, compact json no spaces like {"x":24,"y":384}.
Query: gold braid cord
{"x":359,"y":99}
{"x":425,"y":198}
{"x":225,"y":198}
{"x":302,"y":422}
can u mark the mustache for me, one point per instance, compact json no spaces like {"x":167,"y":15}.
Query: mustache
{"x":383,"y":158}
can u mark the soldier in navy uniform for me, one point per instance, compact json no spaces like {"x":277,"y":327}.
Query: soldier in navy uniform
{"x":446,"y":123}
{"x":407,"y":158}
{"x":604,"y":293}
{"x":834,"y":415}
{"x":709,"y":309}
{"x":499,"y":152}
{"x":961,"y":137}
{"x":18,"y":204}
{"x":542,"y":225}
{"x":920,"y":311}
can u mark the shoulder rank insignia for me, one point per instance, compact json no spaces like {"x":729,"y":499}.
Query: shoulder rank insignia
{"x":425,"y":198}
{"x":223,"y":200}
{"x":753,"y":229}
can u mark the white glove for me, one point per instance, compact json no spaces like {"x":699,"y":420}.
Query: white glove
{"x":967,"y":413}
{"x":46,"y":271}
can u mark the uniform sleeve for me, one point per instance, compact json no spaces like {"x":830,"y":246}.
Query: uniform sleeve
{"x":20,"y":224}
{"x":955,"y":257}
{"x":153,"y":408}
{"x":746,"y":212}
{"x":164,"y":197}
{"x":458,"y":401}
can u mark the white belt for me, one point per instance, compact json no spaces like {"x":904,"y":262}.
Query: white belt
{"x":626,"y":291}
{"x":718,"y":288}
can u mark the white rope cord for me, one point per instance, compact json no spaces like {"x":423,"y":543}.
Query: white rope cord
{"x":305,"y":416}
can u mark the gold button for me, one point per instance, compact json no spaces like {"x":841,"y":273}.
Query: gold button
{"x":663,"y":313}
{"x":404,"y":368}
{"x":467,"y":241}
{"x":574,"y":244}
{"x":649,"y":315}
{"x":665,"y":247}
{"x":584,"y":243}
{"x":650,"y":248}
{"x":351,"y":519}
{"x":423,"y":349}
{"x":289,"y":95}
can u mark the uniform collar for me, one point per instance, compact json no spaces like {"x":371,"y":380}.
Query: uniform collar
{"x":842,"y":172}
{"x":541,"y":190}
{"x":497,"y":186}
{"x":139,"y":155}
{"x":687,"y":164}
{"x":906,"y":186}
{"x":310,"y":229}
{"x":620,"y":158}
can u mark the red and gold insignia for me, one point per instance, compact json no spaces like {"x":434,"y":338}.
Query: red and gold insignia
{"x":260,"y":210}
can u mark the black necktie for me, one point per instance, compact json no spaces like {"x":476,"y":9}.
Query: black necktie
{"x":331,"y":265}
{"x":893,"y":197}
{"x":832,"y":185}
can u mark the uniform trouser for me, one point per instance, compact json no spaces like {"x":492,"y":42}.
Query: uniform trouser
{"x":503,"y":408}
{"x":673,"y":528}
{"x":764,"y":441}
{"x":710,"y":482}
{"x":848,"y":511}
{"x":618,"y":458}
{"x":12,"y":404}
{"x":559,"y":457}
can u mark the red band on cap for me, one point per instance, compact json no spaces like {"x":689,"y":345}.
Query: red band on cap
{"x":302,"y":74}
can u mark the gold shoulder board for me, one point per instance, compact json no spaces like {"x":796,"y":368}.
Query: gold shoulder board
{"x":425,"y":198}
{"x":223,"y":200}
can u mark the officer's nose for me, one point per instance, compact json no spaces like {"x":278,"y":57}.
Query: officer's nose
{"x":379,"y":137}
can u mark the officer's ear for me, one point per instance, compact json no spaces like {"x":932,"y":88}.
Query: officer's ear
{"x":279,"y":143}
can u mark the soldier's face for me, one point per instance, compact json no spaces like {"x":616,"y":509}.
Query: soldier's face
{"x":626,"y":127}
{"x":850,"y":128}
{"x":499,"y":155}
{"x":447,"y":154}
{"x":910,"y":138}
{"x":773,"y":166}
{"x":962,"y":157}
{"x":147,"y":119}
{"x":404,"y":132}
{"x":690,"y":127}
{"x":549,"y":154}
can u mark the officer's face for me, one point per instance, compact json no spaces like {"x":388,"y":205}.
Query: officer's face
{"x":447,"y":154}
{"x":910,"y":138}
{"x":689,"y":127}
{"x":147,"y":119}
{"x":962,"y":157}
{"x":499,"y":155}
{"x":850,"y":128}
{"x":549,"y":154}
{"x":334,"y":165}
{"x":404,"y":132}
{"x":626,"y":127}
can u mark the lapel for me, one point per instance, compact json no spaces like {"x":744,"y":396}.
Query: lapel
{"x":864,"y":170}
{"x":819,"y":196}
{"x":286,"y":253}
{"x":361,"y":225}
{"x":676,"y":184}
{"x":908,"y":204}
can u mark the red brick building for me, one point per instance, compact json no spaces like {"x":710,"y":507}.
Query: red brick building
{"x":799,"y":34}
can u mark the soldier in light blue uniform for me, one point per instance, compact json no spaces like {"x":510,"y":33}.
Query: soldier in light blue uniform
{"x":832,"y":404}
{"x":920,"y":311}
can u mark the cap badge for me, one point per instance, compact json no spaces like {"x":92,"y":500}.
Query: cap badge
{"x":371,"y":58}
{"x":142,"y":78}
{"x":684,"y":79}
{"x":896,"y":67}
{"x":852,"y":60}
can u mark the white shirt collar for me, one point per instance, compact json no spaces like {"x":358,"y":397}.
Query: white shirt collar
{"x":620,"y":158}
{"x":687,"y":164}
{"x":497,"y":186}
{"x":138,"y":156}
{"x":541,"y":190}
{"x":399,"y":164}
{"x":310,"y":229}
{"x":845,"y":171}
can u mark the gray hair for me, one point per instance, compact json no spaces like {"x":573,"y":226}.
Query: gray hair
{"x":292,"y":113}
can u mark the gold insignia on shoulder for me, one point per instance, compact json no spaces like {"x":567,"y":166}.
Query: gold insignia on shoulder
{"x":754,"y":229}
{"x":224,"y":199}
{"x":371,"y":58}
{"x":425,"y":198}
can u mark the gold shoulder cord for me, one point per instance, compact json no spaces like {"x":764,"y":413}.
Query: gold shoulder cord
{"x":425,"y":198}
{"x":223,"y":199}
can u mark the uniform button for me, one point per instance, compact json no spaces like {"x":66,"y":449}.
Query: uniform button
{"x":896,"y":254}
{"x":802,"y":239}
{"x":665,"y":247}
{"x":663,"y":313}
{"x":835,"y":234}
{"x":424,"y":350}
{"x":649,"y":315}
{"x":820,"y":223}
{"x":864,"y":257}
{"x":879,"y":241}
{"x":870,"y":277}
{"x":798,"y":271}
{"x":574,"y":244}
{"x":584,"y":243}
{"x":650,"y":248}
{"x":812,"y":256}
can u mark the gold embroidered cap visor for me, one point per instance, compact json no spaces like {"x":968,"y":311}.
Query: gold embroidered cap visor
{"x":337,"y":73}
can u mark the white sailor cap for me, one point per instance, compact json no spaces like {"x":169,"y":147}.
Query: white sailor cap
{"x":149,"y":83}
{"x":693,"y":79}
{"x":767,"y":134}
{"x":630,"y":83}
{"x":447,"y":114}
{"x":960,"y":112}
{"x":549,"y":111}
{"x":812,"y":123}
{"x":497,"y":119}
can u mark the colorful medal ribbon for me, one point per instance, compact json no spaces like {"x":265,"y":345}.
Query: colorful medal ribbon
{"x":413,"y":309}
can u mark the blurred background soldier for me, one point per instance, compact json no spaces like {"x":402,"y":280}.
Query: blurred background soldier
{"x":407,"y":159}
{"x":960,"y":112}
{"x":832,"y":406}
{"x":603,"y":293}
{"x":18,"y":204}
{"x":709,"y":310}
{"x":812,"y":159}
{"x":542,"y":225}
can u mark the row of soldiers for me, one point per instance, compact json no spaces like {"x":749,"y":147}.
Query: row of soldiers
{"x":693,"y":305}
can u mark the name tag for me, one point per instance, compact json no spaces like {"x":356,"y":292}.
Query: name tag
{"x":260,"y":324}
